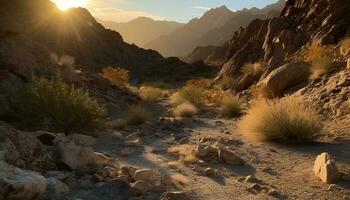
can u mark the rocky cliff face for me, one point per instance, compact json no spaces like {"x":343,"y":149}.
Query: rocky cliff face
{"x":279,"y":39}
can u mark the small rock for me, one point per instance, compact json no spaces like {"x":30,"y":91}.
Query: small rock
{"x":326,"y":169}
{"x":174,"y":196}
{"x":206,"y":151}
{"x":272,"y":192}
{"x":128,"y":170}
{"x":149,"y":175}
{"x":142,"y":186}
{"x":124,"y":178}
{"x":250,"y":179}
{"x":229,"y":157}
{"x":256,"y":187}
{"x":331,"y":187}
{"x":209,"y":172}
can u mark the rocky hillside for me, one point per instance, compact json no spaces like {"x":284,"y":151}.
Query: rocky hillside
{"x":151,"y":29}
{"x":278,"y":40}
{"x":31,"y":32}
{"x":215,"y":27}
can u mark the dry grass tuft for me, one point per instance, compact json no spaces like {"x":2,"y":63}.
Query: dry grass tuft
{"x":253,"y":68}
{"x":345,"y":47}
{"x":226,"y":83}
{"x":189,"y":94}
{"x":185,"y":110}
{"x":137,"y":115}
{"x":287,"y":120}
{"x":320,"y":58}
{"x":179,"y":179}
{"x":200,"y":83}
{"x":118,"y":76}
{"x":261,"y":91}
{"x":231,"y":106}
{"x":186,"y":153}
{"x":151,"y":94}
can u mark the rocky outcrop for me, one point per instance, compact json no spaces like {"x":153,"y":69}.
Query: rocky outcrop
{"x":326,"y":169}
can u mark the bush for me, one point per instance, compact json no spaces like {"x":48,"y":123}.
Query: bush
{"x":118,"y":76}
{"x":59,"y":106}
{"x":189,"y":94}
{"x":288,"y":120}
{"x":151,"y":94}
{"x":253,"y":68}
{"x":226,"y":83}
{"x":200,"y":83}
{"x":320,"y":58}
{"x":231,"y":106}
{"x":137,"y":115}
{"x":185,"y":110}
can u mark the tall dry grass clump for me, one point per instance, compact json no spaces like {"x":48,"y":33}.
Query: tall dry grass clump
{"x":253,"y":68}
{"x":226,"y":83}
{"x":186,"y":153}
{"x":185,"y":110}
{"x":189,"y":94}
{"x":59,"y":106}
{"x":231,"y":106}
{"x":151,"y":94}
{"x":137,"y":115}
{"x":200,"y":83}
{"x":320,"y":58}
{"x":287,"y":120}
{"x":118,"y":76}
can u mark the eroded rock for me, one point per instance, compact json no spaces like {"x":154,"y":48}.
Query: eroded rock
{"x":326,"y":169}
{"x":229,"y":157}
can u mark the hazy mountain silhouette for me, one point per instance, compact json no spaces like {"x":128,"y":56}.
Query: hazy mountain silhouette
{"x":151,"y":29}
{"x":215,"y":27}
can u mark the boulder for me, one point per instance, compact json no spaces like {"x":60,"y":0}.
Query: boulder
{"x":45,"y":137}
{"x":326,"y":169}
{"x":206,"y":151}
{"x":285,"y":77}
{"x":229,"y":157}
{"x":151,"y":176}
{"x":19,"y":184}
{"x":83,"y":140}
{"x":142,"y":187}
{"x":55,"y":189}
{"x":113,"y":190}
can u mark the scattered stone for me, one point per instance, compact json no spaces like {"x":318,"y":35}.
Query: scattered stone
{"x":128,"y":170}
{"x":209,"y":172}
{"x":149,"y":175}
{"x":326,"y":169}
{"x":19,"y":184}
{"x":332,"y":187}
{"x":256,"y":187}
{"x":56,"y":189}
{"x":206,"y":151}
{"x":241,"y":179}
{"x":174,"y":196}
{"x":229,"y":157}
{"x":272,"y":192}
{"x":250,"y":179}
{"x":142,"y":186}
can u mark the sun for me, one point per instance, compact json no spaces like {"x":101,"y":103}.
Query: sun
{"x":67,"y":4}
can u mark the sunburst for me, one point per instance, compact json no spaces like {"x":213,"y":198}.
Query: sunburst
{"x":67,"y":4}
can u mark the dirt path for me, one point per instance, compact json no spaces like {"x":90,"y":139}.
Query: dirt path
{"x":285,"y":169}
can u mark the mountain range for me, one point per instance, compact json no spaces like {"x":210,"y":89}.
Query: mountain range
{"x":151,"y":29}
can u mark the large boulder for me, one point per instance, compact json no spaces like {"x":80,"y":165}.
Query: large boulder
{"x":285,"y":77}
{"x":326,"y":169}
{"x":23,"y":150}
{"x":19,"y":184}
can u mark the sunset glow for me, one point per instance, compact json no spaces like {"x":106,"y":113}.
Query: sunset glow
{"x":67,"y":4}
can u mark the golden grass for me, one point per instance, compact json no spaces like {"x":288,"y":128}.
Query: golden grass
{"x":118,"y":76}
{"x":200,"y":83}
{"x":189,"y":94}
{"x":186,"y":153}
{"x":261,"y":91}
{"x":253,"y":68}
{"x":226,"y":83}
{"x":231,"y":106}
{"x":320,"y":58}
{"x":287,"y":120}
{"x":151,"y":94}
{"x":185,"y":110}
{"x":137,"y":115}
{"x":179,"y":179}
{"x":345,"y":47}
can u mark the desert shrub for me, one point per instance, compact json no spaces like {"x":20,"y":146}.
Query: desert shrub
{"x":226,"y":83}
{"x":320,"y":58}
{"x":185,"y":110}
{"x":189,"y":94}
{"x":200,"y":83}
{"x":287,"y":120}
{"x":231,"y":106}
{"x":253,"y":68}
{"x":186,"y":153}
{"x":137,"y":115}
{"x":261,"y":91}
{"x":118,"y":76}
{"x":214,"y":97}
{"x":151,"y":94}
{"x":59,"y":106}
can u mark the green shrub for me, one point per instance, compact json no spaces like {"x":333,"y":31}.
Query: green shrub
{"x":137,"y":115}
{"x":189,"y":94}
{"x":185,"y":110}
{"x":231,"y":106}
{"x":288,"y":120}
{"x":151,"y":94}
{"x":59,"y":106}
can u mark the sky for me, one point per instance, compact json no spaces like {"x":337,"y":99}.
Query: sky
{"x":172,"y":10}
